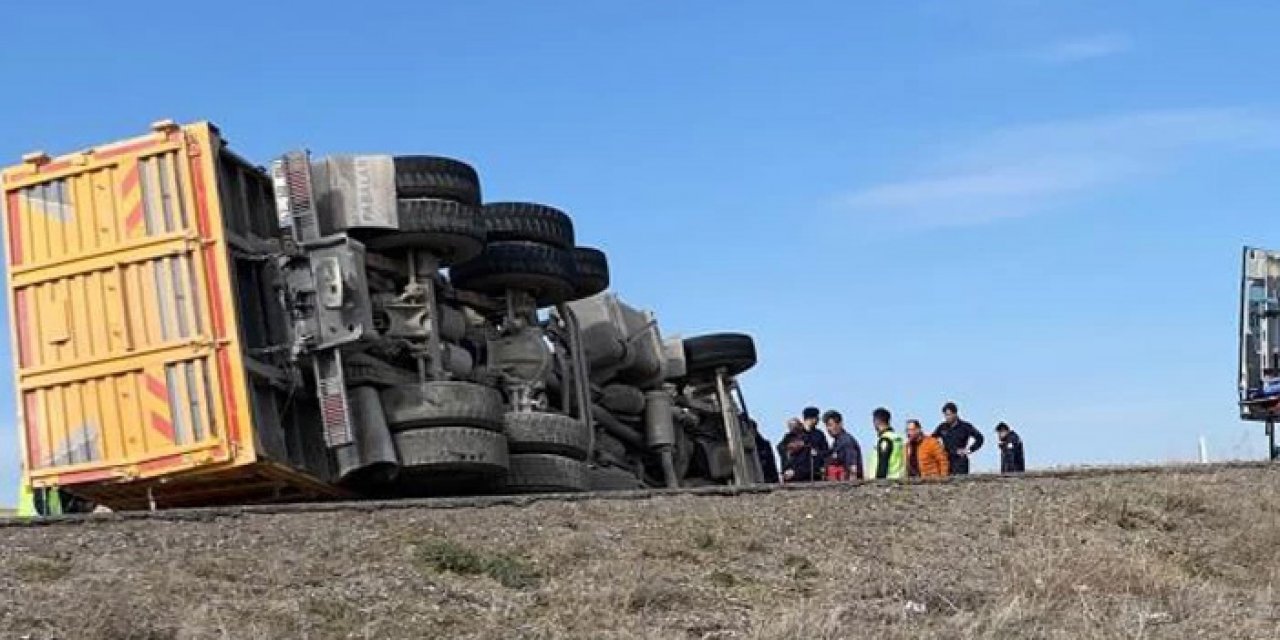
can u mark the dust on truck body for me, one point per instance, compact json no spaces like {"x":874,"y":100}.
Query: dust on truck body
{"x":190,"y":330}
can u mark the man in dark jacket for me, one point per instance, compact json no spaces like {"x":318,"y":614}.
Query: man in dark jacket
{"x":806,"y":449}
{"x":803,"y":465}
{"x":813,"y":435}
{"x":960,"y":438}
{"x":1011,"y":457}
{"x":846,"y":455}
{"x":795,"y":431}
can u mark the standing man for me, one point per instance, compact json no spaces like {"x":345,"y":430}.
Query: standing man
{"x":1011,"y":458}
{"x":795,"y":429}
{"x":845,"y":462}
{"x":802,"y":464}
{"x":926,"y":456}
{"x":959,"y":437}
{"x":813,"y":434}
{"x":889,"y":460}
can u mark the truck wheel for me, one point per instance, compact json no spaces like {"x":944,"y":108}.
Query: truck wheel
{"x":545,"y":473}
{"x":540,"y":432}
{"x":453,"y":232}
{"x":528,"y":222}
{"x":591,"y":272}
{"x":545,"y":272}
{"x":437,"y":177}
{"x":612,"y":479}
{"x":452,"y":450}
{"x":443,"y":403}
{"x":733,"y":352}
{"x":622,"y":399}
{"x":683,"y":454}
{"x":610,"y":447}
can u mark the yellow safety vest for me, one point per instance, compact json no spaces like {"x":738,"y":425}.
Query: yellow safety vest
{"x":26,"y":502}
{"x":897,"y":463}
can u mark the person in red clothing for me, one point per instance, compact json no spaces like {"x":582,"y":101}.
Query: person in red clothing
{"x":845,"y":461}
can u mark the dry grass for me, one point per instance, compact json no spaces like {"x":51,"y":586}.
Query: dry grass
{"x":1145,"y":556}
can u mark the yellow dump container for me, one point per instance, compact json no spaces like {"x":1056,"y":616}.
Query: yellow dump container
{"x":136,"y":381}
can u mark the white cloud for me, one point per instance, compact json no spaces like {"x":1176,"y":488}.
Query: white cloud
{"x":1085,"y":48}
{"x":984,"y":194}
{"x":1020,"y":170}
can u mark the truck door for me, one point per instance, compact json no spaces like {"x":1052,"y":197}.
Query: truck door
{"x":1260,"y":335}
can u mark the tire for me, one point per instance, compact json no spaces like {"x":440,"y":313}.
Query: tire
{"x":453,"y":232}
{"x":611,"y":447}
{"x":528,"y":222}
{"x":463,"y":450}
{"x":437,"y":177}
{"x":453,"y":323}
{"x":545,"y":473}
{"x":590,"y":272}
{"x":446,"y":403}
{"x":683,"y":454}
{"x":733,"y":352}
{"x":545,"y":272}
{"x":540,"y":432}
{"x":622,"y":399}
{"x":612,"y":479}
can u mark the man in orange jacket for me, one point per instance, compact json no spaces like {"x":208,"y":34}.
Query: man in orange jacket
{"x":926,"y":457}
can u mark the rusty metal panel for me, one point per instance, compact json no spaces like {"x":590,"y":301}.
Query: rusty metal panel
{"x":127,"y":351}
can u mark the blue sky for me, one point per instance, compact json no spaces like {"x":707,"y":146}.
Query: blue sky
{"x":1034,"y":208}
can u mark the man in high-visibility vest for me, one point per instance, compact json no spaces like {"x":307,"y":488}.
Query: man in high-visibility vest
{"x":888,"y":459}
{"x":46,"y":501}
{"x":26,"y":502}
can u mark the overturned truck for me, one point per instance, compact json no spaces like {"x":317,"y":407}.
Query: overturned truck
{"x":191,"y":330}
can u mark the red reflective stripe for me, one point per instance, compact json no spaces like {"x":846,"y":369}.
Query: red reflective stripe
{"x":53,"y":166}
{"x":43,"y":168}
{"x":129,"y":148}
{"x":160,"y":390}
{"x":128,"y":185}
{"x":24,"y":330}
{"x":134,"y":147}
{"x":166,"y":462}
{"x":216,"y":298}
{"x":30,"y":420}
{"x":130,"y":180}
{"x":81,"y":477}
{"x":157,"y":388}
{"x":37,"y":170}
{"x":134,"y":219}
{"x":162,"y":426}
{"x":15,"y":229}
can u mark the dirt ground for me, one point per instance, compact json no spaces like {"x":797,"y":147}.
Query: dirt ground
{"x":1174,"y":554}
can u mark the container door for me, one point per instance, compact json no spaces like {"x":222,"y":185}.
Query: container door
{"x":113,"y":307}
